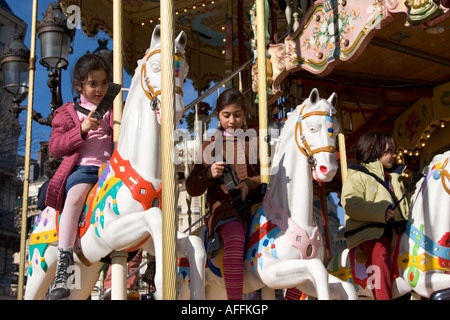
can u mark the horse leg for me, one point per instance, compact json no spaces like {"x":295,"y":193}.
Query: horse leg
{"x":131,"y":229}
{"x":341,"y":290}
{"x":193,"y":248}
{"x":39,"y":282}
{"x":85,"y":279}
{"x":296,"y":273}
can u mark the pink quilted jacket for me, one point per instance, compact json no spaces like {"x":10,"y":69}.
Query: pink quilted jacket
{"x":65,"y":141}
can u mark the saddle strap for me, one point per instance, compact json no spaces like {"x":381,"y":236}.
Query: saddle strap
{"x":426,"y":242}
{"x":105,"y":104}
{"x":141,"y":189}
{"x":307,"y":246}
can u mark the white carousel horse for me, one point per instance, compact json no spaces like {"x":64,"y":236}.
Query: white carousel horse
{"x":123,"y":210}
{"x":284,"y":246}
{"x":421,"y":259}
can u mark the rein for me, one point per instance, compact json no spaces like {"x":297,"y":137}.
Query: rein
{"x":306,"y":150}
{"x":149,"y":91}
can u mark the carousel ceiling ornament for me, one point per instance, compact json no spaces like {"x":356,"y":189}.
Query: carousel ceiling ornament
{"x":336,"y":31}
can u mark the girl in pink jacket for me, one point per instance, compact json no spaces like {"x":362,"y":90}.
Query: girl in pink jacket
{"x":86,"y":143}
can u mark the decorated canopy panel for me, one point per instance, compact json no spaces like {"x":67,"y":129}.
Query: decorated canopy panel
{"x":203,"y":21}
{"x":381,"y":58}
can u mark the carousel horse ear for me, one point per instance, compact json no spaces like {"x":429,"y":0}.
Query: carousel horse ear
{"x":156,"y":38}
{"x":181,"y":41}
{"x":333,"y":99}
{"x":314,"y":96}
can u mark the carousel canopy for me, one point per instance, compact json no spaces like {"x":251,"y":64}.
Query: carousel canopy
{"x":203,"y":21}
{"x":390,"y":69}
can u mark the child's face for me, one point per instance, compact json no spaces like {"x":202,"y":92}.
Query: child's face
{"x":95,"y":86}
{"x":388,"y":158}
{"x":232,"y":117}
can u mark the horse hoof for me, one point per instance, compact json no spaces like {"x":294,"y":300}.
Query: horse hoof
{"x":443,"y":294}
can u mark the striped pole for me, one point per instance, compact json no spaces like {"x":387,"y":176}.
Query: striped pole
{"x":262,"y":92}
{"x":118,"y":258}
{"x":167,"y":143}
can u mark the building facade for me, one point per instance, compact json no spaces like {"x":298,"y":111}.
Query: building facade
{"x":10,"y":129}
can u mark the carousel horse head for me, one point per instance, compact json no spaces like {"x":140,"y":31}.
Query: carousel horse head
{"x":316,"y":130}
{"x":150,"y":68}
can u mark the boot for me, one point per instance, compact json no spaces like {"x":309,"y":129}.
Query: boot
{"x":60,"y":289}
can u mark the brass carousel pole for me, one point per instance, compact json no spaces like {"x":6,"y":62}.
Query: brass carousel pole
{"x":167,"y":143}
{"x":118,"y":258}
{"x":266,"y":293}
{"x":262,"y":92}
{"x":26,"y":180}
{"x":341,"y":143}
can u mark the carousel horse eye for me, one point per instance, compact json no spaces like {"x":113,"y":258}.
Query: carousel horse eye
{"x":312,"y":129}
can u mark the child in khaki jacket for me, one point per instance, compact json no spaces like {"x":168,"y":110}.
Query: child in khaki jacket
{"x":369,"y":205}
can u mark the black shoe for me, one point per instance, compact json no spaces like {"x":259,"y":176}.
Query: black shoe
{"x":60,"y":289}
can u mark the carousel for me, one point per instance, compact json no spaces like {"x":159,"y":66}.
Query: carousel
{"x":320,"y":72}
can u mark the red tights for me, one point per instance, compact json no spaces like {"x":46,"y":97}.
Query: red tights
{"x":233,"y":236}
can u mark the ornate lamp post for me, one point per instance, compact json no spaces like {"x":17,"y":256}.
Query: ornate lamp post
{"x":14,"y":62}
{"x":56,"y":43}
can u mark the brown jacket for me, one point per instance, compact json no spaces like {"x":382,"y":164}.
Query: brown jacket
{"x":246,"y":165}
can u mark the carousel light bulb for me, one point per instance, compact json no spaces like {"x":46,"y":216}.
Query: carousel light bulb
{"x":427,"y":134}
{"x":194,"y":7}
{"x":417,"y":153}
{"x":422,"y":143}
{"x":442,"y":123}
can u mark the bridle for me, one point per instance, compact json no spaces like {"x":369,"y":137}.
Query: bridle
{"x":306,"y":149}
{"x":149,"y":91}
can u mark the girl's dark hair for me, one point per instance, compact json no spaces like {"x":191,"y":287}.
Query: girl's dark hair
{"x":231,"y":96}
{"x":372,"y":145}
{"x":85,"y":64}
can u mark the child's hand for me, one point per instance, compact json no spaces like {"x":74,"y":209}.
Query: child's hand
{"x":389,"y":214}
{"x":244,"y":190}
{"x":216,"y":170}
{"x":89,"y":123}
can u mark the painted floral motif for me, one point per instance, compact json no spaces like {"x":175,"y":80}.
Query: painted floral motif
{"x":326,"y":31}
{"x":413,"y":122}
{"x":439,"y":171}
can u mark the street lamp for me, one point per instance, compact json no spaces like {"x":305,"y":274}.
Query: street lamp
{"x":14,"y":62}
{"x":55,"y":41}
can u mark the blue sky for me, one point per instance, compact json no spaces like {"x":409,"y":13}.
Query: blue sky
{"x":42,"y":96}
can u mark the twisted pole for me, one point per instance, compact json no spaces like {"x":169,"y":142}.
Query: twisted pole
{"x":167,"y":143}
